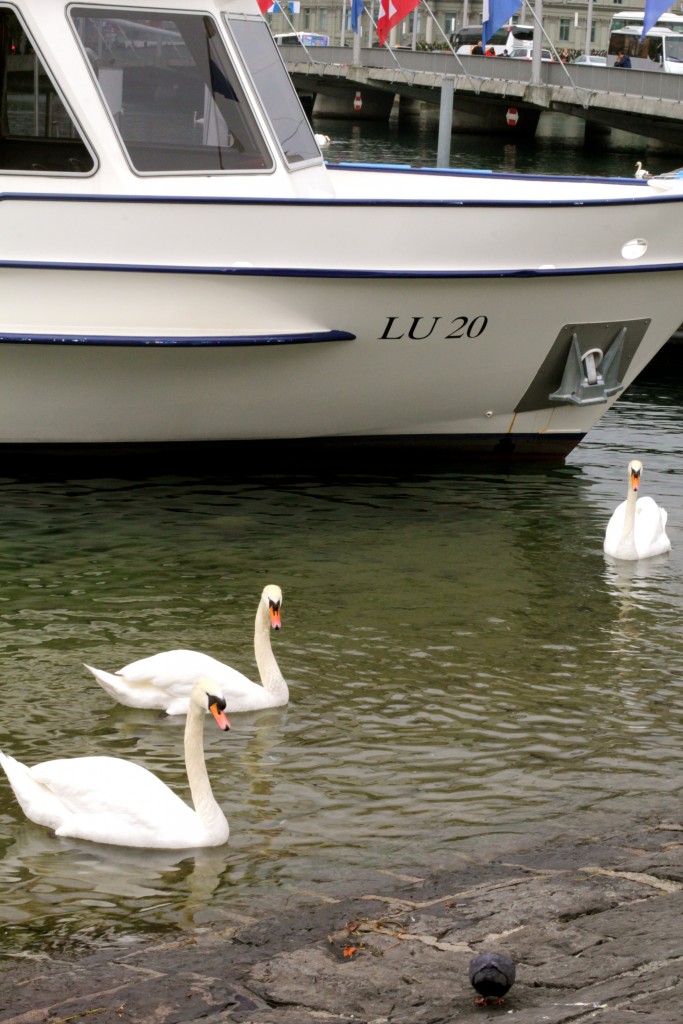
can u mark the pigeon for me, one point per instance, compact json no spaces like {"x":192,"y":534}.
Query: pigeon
{"x":492,"y":975}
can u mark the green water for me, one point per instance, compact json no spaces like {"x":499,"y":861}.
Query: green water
{"x":557,"y":148}
{"x":468,"y":673}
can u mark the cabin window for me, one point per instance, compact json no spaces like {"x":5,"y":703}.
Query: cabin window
{"x":37,"y":133}
{"x":171,"y":90}
{"x":274,"y":87}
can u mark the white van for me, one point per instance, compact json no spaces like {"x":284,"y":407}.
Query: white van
{"x":502,"y":41}
{"x":301,"y":39}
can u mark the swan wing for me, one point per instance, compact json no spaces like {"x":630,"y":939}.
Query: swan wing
{"x":37,"y":800}
{"x":105,"y":800}
{"x":615,"y":529}
{"x":165,"y":680}
{"x":171,"y":675}
{"x":650,"y":528}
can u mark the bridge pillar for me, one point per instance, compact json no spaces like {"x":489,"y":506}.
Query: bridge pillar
{"x":408,"y":109}
{"x":594,"y":133}
{"x":354,"y":104}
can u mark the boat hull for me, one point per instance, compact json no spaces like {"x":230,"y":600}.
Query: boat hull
{"x":178,"y":264}
{"x":148,"y":357}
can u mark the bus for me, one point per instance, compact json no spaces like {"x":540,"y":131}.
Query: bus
{"x":502,"y":41}
{"x":660,"y":50}
{"x":301,"y":39}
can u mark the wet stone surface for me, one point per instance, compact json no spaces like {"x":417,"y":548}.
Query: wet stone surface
{"x":596,"y":930}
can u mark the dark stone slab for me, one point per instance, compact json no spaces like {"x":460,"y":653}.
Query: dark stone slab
{"x":595,"y":928}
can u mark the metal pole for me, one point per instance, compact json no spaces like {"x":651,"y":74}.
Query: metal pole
{"x":443,"y":149}
{"x":355,"y":60}
{"x":537,"y":42}
{"x":589,"y":26}
{"x":343,"y":25}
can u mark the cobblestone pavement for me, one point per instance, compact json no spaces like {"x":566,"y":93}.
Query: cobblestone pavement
{"x":596,"y":928}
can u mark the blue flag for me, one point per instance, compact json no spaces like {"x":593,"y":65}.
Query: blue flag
{"x":653,"y":11}
{"x":356,"y":11}
{"x":495,"y":14}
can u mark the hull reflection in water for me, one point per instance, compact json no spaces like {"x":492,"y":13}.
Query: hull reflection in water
{"x":189,"y":269}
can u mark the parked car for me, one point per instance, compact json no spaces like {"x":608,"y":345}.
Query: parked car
{"x":590,"y":58}
{"x":524,"y":53}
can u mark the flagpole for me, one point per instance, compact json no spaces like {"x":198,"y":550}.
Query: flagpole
{"x":537,"y":43}
{"x":589,"y":25}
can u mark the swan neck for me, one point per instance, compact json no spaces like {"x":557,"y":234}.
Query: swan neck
{"x":195,"y":764}
{"x":269,"y":670}
{"x":630,"y":517}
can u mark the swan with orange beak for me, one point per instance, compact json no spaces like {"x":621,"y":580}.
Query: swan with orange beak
{"x":164,"y":681}
{"x":637,"y":528}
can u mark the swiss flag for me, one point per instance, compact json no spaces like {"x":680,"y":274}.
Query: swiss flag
{"x":390,"y":13}
{"x":264,"y":5}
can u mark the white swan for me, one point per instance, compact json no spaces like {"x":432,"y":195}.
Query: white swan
{"x":322,"y":140}
{"x":164,"y":681}
{"x":640,"y":171}
{"x":110,"y":800}
{"x":637,"y":529}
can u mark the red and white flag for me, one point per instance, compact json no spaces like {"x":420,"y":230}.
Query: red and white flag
{"x":390,"y":13}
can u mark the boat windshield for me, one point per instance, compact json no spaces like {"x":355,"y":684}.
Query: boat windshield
{"x":172,"y":91}
{"x":275,"y":90}
{"x":37,"y":133}
{"x":674,"y":48}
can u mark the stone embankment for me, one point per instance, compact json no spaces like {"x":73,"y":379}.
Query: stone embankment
{"x":596,"y":928}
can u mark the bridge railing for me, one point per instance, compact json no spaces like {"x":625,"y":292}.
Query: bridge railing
{"x":592,"y":78}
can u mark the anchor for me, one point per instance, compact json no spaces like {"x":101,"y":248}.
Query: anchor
{"x":591,"y":377}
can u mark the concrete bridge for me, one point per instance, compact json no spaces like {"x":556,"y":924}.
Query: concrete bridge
{"x":490,"y":94}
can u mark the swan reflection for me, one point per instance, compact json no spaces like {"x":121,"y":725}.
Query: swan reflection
{"x":66,"y":885}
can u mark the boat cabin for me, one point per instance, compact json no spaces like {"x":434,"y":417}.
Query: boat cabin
{"x":180,"y":101}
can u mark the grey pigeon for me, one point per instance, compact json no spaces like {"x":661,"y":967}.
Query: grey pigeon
{"x":492,"y":975}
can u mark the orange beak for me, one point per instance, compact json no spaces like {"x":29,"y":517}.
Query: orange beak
{"x":275,"y":622}
{"x":220,"y":716}
{"x":635,"y":481}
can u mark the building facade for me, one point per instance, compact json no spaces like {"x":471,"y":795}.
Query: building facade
{"x":565,"y":22}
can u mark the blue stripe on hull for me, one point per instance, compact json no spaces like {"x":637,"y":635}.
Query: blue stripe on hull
{"x":340,"y":273}
{"x":161,"y":341}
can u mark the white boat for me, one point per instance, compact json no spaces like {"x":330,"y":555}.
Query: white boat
{"x":178,"y":263}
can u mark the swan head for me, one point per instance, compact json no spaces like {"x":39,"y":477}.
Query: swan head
{"x":272,"y":599}
{"x":205,"y":698}
{"x":635,"y":468}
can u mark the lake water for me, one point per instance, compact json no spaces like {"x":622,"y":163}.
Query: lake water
{"x":558,"y":147}
{"x":468,"y":673}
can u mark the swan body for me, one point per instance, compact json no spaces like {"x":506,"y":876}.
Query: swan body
{"x":164,"y":681}
{"x":322,"y":140}
{"x":637,"y":528}
{"x":641,"y":172}
{"x":111,"y":800}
